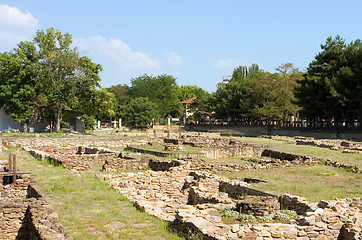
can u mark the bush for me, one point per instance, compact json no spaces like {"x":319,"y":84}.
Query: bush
{"x":246,"y":218}
{"x":285,"y":215}
{"x":230,"y":212}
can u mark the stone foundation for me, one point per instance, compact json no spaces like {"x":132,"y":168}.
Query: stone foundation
{"x":26,"y":214}
{"x":258,"y":205}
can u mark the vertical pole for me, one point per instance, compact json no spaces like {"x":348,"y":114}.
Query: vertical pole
{"x":168,"y":133}
{"x":14,"y":168}
{"x":155,"y":133}
{"x":10,"y":162}
{"x":179,"y":133}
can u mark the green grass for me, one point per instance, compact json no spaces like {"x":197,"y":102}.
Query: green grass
{"x":339,"y":156}
{"x":90,"y":209}
{"x":314,"y":182}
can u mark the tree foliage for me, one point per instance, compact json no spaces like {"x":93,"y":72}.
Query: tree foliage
{"x":121,"y":96}
{"x":332,"y":87}
{"x":140,"y":112}
{"x":161,"y":90}
{"x":69,"y":80}
{"x":200,"y":107}
{"x":255,"y":94}
{"x":45,"y":77}
{"x":18,"y":82}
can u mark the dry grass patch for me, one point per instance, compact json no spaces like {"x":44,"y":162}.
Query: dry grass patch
{"x":314,"y":182}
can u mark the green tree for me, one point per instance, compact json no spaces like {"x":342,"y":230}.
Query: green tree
{"x":286,"y":82}
{"x":161,"y":90}
{"x":102,"y":107}
{"x":121,"y":95}
{"x":19,"y":85}
{"x":187,"y":92}
{"x":331,"y":89}
{"x":237,"y":99}
{"x":140,"y":112}
{"x":254,"y":94}
{"x":200,"y":106}
{"x":69,"y":80}
{"x":45,"y":77}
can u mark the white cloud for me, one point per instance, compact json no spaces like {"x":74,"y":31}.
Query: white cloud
{"x":15,"y":26}
{"x":173,"y":59}
{"x":11,"y":16}
{"x":228,"y":63}
{"x":118,"y":58}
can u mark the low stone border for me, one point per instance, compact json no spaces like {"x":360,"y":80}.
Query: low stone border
{"x":308,"y":160}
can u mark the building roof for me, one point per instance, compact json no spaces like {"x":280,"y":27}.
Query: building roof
{"x":190,"y":100}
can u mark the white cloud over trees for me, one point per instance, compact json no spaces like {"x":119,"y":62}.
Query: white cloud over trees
{"x":120,"y":59}
{"x":15,"y":26}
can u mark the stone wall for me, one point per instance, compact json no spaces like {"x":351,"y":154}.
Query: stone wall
{"x":298,"y":159}
{"x":75,"y":142}
{"x":299,"y":204}
{"x":26,"y":214}
{"x":334,"y":144}
{"x":122,"y":164}
{"x":258,"y":205}
{"x":237,"y":189}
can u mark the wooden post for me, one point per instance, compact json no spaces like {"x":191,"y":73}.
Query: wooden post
{"x":14,"y":168}
{"x":10,"y":161}
{"x":179,"y":133}
{"x":168,"y":133}
{"x":154,"y":133}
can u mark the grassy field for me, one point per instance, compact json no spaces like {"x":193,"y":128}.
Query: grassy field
{"x":347,"y":158}
{"x":88,"y":208}
{"x":314,"y":182}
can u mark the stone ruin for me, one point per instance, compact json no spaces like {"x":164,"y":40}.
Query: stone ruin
{"x":189,"y":200}
{"x":25,"y":213}
{"x":334,"y":144}
{"x":182,"y":192}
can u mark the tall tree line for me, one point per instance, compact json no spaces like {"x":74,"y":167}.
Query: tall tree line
{"x":43,"y":78}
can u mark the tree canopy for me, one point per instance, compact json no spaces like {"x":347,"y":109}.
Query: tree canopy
{"x":140,"y":112}
{"x":161,"y":90}
{"x":19,"y":85}
{"x":256,"y":94}
{"x":332,"y":87}
{"x":45,"y":77}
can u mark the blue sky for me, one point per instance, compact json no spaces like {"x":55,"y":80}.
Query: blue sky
{"x":197,"y":41}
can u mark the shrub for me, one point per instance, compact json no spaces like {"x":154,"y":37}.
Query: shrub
{"x":285,"y":215}
{"x":246,"y":218}
{"x":230,"y":212}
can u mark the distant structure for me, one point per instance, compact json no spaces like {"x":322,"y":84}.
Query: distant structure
{"x":226,"y":79}
{"x":187,"y":113}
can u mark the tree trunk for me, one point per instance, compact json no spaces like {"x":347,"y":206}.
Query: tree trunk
{"x":57,"y":120}
{"x":25,"y":126}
